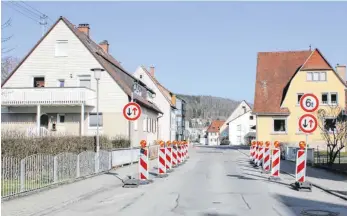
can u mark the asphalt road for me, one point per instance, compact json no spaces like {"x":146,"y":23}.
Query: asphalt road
{"x":214,"y":181}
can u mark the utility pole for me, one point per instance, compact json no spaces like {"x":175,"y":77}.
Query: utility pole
{"x":43,"y":23}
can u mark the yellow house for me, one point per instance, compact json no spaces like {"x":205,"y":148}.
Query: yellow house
{"x":282,"y":78}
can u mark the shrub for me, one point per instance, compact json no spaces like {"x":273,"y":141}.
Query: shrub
{"x":17,"y":144}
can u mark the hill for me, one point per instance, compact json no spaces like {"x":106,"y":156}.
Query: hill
{"x":208,"y":107}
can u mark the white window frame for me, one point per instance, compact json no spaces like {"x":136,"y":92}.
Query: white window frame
{"x":297,"y":97}
{"x":59,"y":81}
{"x":285,"y":123}
{"x":320,"y":76}
{"x":84,"y":77}
{"x":317,"y":73}
{"x":94,"y":127}
{"x":309,"y":74}
{"x":337,"y":98}
{"x":321,"y":100}
{"x":58,"y":118}
{"x":60,"y":53}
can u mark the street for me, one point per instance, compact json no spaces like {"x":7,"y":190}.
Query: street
{"x":214,"y":181}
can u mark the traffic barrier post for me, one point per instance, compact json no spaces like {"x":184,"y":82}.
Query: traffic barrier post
{"x":168,"y":157}
{"x":256,"y":155}
{"x":275,"y":162}
{"x":266,"y":164}
{"x":260,"y":156}
{"x":174,"y":154}
{"x":300,"y":169}
{"x":162,"y":160}
{"x":144,"y":164}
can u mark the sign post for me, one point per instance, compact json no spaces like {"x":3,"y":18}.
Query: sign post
{"x":132,"y":111}
{"x":308,"y":124}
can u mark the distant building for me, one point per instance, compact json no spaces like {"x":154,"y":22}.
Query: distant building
{"x":213,"y":132}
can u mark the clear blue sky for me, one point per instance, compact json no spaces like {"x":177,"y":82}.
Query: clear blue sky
{"x":205,"y":48}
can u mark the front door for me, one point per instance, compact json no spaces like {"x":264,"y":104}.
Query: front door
{"x":44,"y":120}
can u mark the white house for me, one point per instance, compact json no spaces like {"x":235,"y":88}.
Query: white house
{"x":53,"y":90}
{"x":165,"y":100}
{"x":241,"y":125}
{"x":213,"y":132}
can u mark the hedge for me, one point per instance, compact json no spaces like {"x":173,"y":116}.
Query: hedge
{"x":18,"y":145}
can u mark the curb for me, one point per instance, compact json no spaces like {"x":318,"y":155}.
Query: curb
{"x":315,"y":185}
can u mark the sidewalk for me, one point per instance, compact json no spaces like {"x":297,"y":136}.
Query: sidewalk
{"x":328,"y":181}
{"x":332,"y":183}
{"x":46,"y":201}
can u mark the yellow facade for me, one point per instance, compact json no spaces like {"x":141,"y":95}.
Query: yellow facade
{"x":300,"y":85}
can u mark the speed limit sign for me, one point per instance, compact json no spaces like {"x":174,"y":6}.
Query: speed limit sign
{"x":309,"y":102}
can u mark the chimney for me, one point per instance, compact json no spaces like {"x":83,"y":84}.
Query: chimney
{"x":104,"y":45}
{"x":151,"y":71}
{"x":341,"y":71}
{"x":84,"y":28}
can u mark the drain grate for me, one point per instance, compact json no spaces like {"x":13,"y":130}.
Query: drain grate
{"x":319,"y":213}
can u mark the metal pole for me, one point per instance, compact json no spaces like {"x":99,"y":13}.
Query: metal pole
{"x":306,"y":154}
{"x":131,"y":124}
{"x":97,"y":116}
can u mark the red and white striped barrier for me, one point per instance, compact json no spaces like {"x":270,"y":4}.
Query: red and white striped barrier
{"x":168,"y":158}
{"x":266,"y":164}
{"x":300,"y":170}
{"x":161,"y":161}
{"x":260,"y":155}
{"x":174,"y":156}
{"x":143,"y":165}
{"x":256,"y":152}
{"x":179,"y":155}
{"x":275,"y":165}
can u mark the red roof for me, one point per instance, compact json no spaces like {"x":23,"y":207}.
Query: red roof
{"x":215,"y":126}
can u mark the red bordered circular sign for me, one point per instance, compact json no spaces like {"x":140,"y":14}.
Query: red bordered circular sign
{"x":308,"y":123}
{"x":309,"y":102}
{"x":132,"y":111}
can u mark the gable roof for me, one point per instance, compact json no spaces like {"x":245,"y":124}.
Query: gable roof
{"x":124,"y":79}
{"x":234,"y":111}
{"x":215,"y":126}
{"x":274,"y":70}
{"x":167,"y":93}
{"x":249,"y":111}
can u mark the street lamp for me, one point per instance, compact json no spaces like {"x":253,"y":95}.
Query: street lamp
{"x":97,"y":76}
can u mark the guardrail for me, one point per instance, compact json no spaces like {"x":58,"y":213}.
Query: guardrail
{"x":42,"y":170}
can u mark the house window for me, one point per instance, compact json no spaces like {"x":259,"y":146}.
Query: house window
{"x":251,"y":117}
{"x":61,"y":83}
{"x":238,"y":127}
{"x":330,"y":124}
{"x":324,"y":98}
{"x":299,"y":95}
{"x":316,"y":76}
{"x":61,"y":48}
{"x":61,"y":118}
{"x":323,"y":76}
{"x":85,"y":81}
{"x":141,"y":76}
{"x":309,"y":76}
{"x":39,"y":82}
{"x":279,"y":125}
{"x":239,"y":139}
{"x":93,"y":120}
{"x":333,"y":98}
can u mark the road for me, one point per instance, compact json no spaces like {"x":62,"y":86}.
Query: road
{"x":214,"y":181}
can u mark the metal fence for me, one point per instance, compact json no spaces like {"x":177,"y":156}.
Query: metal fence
{"x":42,"y":170}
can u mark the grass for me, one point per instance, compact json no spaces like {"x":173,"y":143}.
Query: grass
{"x":11,"y":187}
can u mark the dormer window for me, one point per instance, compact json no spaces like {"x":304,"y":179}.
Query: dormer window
{"x":39,"y":82}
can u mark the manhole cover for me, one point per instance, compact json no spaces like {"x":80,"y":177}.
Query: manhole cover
{"x":318,"y":213}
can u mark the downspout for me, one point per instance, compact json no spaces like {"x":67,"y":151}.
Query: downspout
{"x":158,"y":117}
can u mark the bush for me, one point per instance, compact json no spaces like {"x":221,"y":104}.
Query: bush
{"x":17,"y":144}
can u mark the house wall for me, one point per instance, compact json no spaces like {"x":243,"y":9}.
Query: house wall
{"x":237,"y":135}
{"x":161,"y":102}
{"x":43,"y":62}
{"x":299,"y":85}
{"x":213,"y":138}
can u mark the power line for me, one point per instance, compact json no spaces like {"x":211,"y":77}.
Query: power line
{"x":24,"y":8}
{"x":26,"y":15}
{"x":32,"y":8}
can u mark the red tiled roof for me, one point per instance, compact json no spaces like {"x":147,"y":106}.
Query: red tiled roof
{"x":274,"y":71}
{"x":215,"y":126}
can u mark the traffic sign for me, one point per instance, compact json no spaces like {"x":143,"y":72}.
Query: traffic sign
{"x":132,"y":111}
{"x":309,"y":102}
{"x":308,"y":123}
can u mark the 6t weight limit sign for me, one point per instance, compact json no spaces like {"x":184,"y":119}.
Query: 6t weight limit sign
{"x":309,"y":102}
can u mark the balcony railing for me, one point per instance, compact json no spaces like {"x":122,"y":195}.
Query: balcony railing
{"x":48,"y":96}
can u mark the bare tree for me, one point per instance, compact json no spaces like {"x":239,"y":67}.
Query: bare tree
{"x":333,"y":127}
{"x":8,"y":64}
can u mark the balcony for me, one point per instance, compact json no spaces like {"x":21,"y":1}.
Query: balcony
{"x":47,"y":96}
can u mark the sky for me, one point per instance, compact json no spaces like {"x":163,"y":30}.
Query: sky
{"x":199,"y":48}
